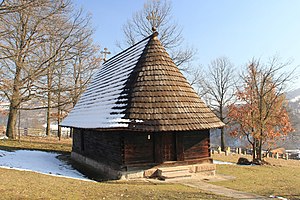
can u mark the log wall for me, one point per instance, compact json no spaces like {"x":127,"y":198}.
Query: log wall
{"x":196,"y":145}
{"x":105,"y":147}
{"x":138,"y":148}
{"x":118,"y":149}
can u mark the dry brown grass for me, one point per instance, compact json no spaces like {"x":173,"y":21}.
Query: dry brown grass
{"x":275,"y":162}
{"x":281,"y":178}
{"x":29,"y":185}
{"x":38,"y":143}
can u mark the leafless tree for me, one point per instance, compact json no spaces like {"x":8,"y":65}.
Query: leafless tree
{"x":73,"y":71}
{"x":19,"y":60}
{"x":217,"y":85}
{"x":71,"y":78}
{"x":170,"y":33}
{"x":9,"y":6}
{"x":29,"y":32}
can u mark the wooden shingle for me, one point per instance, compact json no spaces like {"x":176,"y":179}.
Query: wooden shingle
{"x":141,"y":89}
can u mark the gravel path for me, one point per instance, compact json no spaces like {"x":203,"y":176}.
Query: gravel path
{"x":219,"y":190}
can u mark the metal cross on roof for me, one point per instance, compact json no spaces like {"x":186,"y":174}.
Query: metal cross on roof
{"x":105,"y":53}
{"x":153,"y":18}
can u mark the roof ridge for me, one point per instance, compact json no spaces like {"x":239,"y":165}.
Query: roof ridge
{"x":136,"y":44}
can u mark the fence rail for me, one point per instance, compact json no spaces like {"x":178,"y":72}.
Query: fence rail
{"x":41,"y":132}
{"x":295,"y":154}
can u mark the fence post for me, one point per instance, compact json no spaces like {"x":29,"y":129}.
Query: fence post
{"x":227,"y":151}
{"x":239,"y":151}
{"x":219,"y":150}
{"x":286,"y":156}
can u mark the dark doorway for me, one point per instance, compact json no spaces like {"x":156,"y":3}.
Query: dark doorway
{"x":168,"y":147}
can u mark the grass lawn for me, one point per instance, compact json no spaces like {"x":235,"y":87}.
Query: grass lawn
{"x":29,"y":185}
{"x":281,"y":178}
{"x":16,"y":184}
{"x":38,"y":143}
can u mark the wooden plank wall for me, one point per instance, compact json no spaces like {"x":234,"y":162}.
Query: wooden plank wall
{"x":196,"y":145}
{"x":118,"y":149}
{"x":138,"y":148}
{"x":104,"y":147}
{"x":76,"y":146}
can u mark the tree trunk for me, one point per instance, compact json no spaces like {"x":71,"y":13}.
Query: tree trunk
{"x":58,"y":114}
{"x":222,"y":139}
{"x":222,"y":129}
{"x":254,"y":150}
{"x":48,"y":113}
{"x":14,"y":105}
{"x":58,"y":124}
{"x":12,"y":122}
{"x":260,"y":149}
{"x":48,"y":121}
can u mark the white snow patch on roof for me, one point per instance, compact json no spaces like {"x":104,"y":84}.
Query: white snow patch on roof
{"x":97,"y":107}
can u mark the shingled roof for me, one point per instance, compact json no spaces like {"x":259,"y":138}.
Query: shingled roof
{"x":141,"y":89}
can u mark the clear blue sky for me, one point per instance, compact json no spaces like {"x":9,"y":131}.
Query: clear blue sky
{"x":239,"y":30}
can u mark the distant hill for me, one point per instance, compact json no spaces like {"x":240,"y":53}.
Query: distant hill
{"x":293,"y":140}
{"x":293,"y":95}
{"x":294,"y":101}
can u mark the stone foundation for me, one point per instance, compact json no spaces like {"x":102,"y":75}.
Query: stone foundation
{"x":107,"y":170}
{"x":181,"y":171}
{"x":155,"y":172}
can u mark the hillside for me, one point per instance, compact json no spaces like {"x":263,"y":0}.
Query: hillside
{"x":294,"y":101}
{"x":293,"y":95}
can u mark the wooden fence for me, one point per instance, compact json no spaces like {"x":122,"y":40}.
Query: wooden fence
{"x":245,"y":151}
{"x":40,"y":132}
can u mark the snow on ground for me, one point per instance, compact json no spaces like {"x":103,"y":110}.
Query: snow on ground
{"x":38,"y":161}
{"x":222,"y":162}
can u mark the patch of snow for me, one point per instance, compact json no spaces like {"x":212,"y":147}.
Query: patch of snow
{"x":3,"y":137}
{"x":38,"y":161}
{"x":54,"y":127}
{"x":295,"y":99}
{"x":277,"y":197}
{"x":222,"y":162}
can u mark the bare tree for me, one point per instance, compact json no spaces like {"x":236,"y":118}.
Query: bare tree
{"x":72,"y":76}
{"x":217,"y":85}
{"x":31,"y":31}
{"x":18,"y":54}
{"x":170,"y":33}
{"x":67,"y":76}
{"x":9,"y":6}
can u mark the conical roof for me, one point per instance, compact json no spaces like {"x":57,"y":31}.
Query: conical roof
{"x":141,"y":89}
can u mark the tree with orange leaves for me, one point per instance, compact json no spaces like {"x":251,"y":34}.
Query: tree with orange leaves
{"x":261,"y":115}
